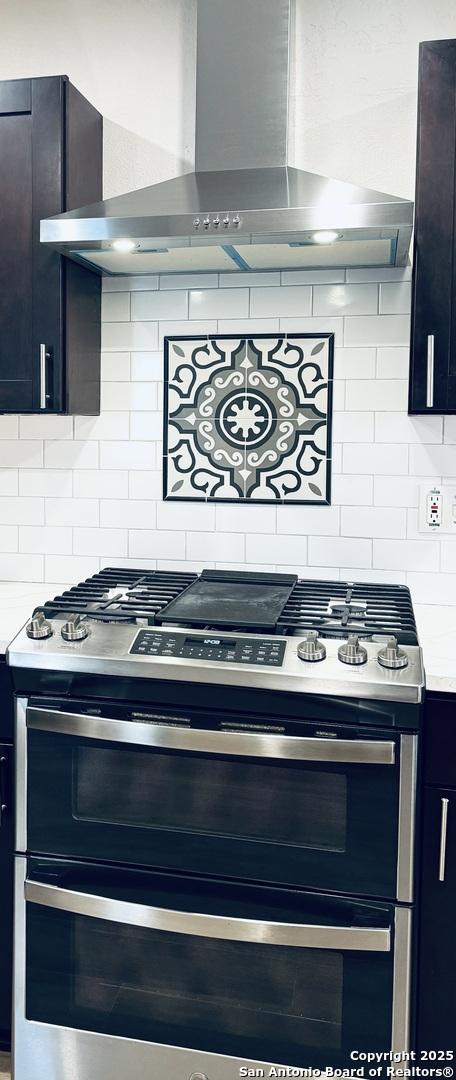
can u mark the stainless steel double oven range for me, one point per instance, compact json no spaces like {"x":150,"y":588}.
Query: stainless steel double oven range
{"x":216,"y":788}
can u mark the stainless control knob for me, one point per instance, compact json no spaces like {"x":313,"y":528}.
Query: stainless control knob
{"x":226,"y":221}
{"x":391,"y":656}
{"x":74,"y":629}
{"x":216,"y":222}
{"x":351,"y":652}
{"x":236,"y":221}
{"x":196,"y":223}
{"x":206,"y":222}
{"x":311,"y":649}
{"x":39,"y":627}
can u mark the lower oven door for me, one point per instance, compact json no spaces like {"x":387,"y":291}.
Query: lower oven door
{"x":329,"y":809}
{"x":202,"y":977}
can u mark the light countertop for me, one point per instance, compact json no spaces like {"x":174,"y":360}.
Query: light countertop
{"x":436,"y":628}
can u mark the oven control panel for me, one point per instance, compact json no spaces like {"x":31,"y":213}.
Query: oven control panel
{"x":253,"y":650}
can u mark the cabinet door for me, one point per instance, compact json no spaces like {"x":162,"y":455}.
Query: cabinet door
{"x":31,"y":174}
{"x":437,"y":967}
{"x":16,"y":383}
{"x":6,"y":890}
{"x":433,"y":346}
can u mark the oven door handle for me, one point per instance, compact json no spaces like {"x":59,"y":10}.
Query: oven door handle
{"x":303,"y":936}
{"x":200,"y":740}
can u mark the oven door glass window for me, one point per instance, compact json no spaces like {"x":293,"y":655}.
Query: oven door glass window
{"x":192,"y":987}
{"x":327,"y":824}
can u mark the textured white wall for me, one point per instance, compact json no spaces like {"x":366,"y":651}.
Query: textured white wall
{"x":353,"y":92}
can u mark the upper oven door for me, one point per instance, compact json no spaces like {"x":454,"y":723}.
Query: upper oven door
{"x":333,"y":813}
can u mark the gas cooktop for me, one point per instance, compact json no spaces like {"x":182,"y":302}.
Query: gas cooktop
{"x":278,"y":604}
{"x":269,"y":631}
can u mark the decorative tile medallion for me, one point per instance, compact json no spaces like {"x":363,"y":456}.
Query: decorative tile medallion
{"x":248,"y":419}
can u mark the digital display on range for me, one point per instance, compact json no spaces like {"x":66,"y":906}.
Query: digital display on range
{"x":261,"y":651}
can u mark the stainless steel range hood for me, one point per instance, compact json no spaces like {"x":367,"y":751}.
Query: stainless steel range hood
{"x":244,"y":207}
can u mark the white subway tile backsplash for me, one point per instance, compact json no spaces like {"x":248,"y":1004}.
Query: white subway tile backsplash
{"x":354,"y":363}
{"x":353,"y":426}
{"x":375,"y":458}
{"x":45,"y":540}
{"x":400,"y":273}
{"x":71,"y":568}
{"x":9,"y":427}
{"x":352,"y":490}
{"x":339,"y":550}
{"x":285,"y":301}
{"x":216,"y":546}
{"x":395,"y":297}
{"x":9,"y":482}
{"x":145,"y":485}
{"x":100,"y":484}
{"x":130,"y":514}
{"x":398,"y":427}
{"x":131,"y":455}
{"x":218,"y":304}
{"x":114,"y":367}
{"x":72,"y":511}
{"x":23,"y":568}
{"x":76,"y":493}
{"x":129,"y":336}
{"x":107,"y":542}
{"x":147,"y":366}
{"x":253,"y":519}
{"x":9,"y":538}
{"x":71,"y":455}
{"x":146,"y":425}
{"x":167,"y":304}
{"x":377,"y":330}
{"x":308,"y":521}
{"x":311,"y":277}
{"x":432,"y":460}
{"x":176,"y":516}
{"x":373,"y":521}
{"x":156,"y":544}
{"x":381,"y":394}
{"x":409,"y":554}
{"x":345,"y":300}
{"x":251,"y":279}
{"x":15,"y":510}
{"x":393,"y":362}
{"x":287,"y":550}
{"x":110,"y":425}
{"x":45,"y":481}
{"x":115,"y":306}
{"x":21,"y":454}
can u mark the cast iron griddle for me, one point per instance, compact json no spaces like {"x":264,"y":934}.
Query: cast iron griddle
{"x":225,"y":598}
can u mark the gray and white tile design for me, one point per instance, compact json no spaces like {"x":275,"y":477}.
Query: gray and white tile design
{"x":248,"y":418}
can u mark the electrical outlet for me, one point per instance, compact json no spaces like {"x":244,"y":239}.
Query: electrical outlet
{"x":431,"y":509}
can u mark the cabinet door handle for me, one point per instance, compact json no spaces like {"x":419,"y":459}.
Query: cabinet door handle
{"x":443,"y":837}
{"x":45,"y":355}
{"x":430,"y":372}
{"x":3,"y":805}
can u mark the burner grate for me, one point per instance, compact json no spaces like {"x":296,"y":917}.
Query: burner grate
{"x":121,"y":595}
{"x":332,"y":608}
{"x":336,"y":609}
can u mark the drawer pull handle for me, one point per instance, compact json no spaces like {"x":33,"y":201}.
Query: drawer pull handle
{"x":430,"y":372}
{"x":443,"y":838}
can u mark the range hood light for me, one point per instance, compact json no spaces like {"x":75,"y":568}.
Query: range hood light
{"x":325,"y":236}
{"x":124,"y":245}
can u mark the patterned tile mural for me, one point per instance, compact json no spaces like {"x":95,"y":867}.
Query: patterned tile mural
{"x":248,"y":418}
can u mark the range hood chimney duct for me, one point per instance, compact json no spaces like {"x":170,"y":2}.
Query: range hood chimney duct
{"x":244,"y":208}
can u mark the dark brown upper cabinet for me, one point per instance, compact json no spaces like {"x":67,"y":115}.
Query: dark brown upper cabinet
{"x":50,"y":308}
{"x":433,"y":342}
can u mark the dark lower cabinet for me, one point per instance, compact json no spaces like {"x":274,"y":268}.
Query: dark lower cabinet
{"x":432,"y":387}
{"x":437,"y":944}
{"x":6,"y":853}
{"x":50,"y":312}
